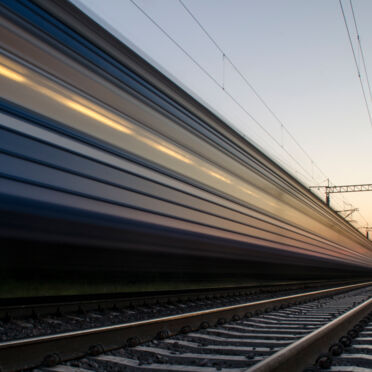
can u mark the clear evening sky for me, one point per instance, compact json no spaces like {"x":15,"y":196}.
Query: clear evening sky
{"x":296,"y":55}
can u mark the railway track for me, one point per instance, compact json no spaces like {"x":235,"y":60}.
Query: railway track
{"x":231,"y":338}
{"x":19,"y":307}
{"x":358,"y":356}
{"x":30,"y":317}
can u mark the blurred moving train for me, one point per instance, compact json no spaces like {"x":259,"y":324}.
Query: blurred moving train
{"x":107,"y":166}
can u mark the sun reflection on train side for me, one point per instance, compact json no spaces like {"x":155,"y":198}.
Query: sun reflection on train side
{"x":165,"y":149}
{"x":81,"y":108}
{"x":217,"y":175}
{"x":96,"y":116}
{"x":56,"y":92}
{"x":90,"y":112}
{"x":10,"y":74}
{"x":247,"y":190}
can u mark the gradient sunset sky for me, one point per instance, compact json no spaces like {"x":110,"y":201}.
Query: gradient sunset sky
{"x":296,"y":55}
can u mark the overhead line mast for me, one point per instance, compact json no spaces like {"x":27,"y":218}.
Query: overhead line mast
{"x":368,"y":229}
{"x":344,"y":188}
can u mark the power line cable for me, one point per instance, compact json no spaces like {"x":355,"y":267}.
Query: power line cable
{"x":229,"y":95}
{"x":244,"y":78}
{"x":356,"y":63}
{"x":217,"y":83}
{"x":365,"y":71}
{"x":361,"y":50}
{"x":175,"y":42}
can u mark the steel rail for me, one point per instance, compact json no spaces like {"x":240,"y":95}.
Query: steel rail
{"x":45,"y":305}
{"x":303,"y":352}
{"x":52,"y":349}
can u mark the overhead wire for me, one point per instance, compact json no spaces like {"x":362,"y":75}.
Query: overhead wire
{"x":218,"y":84}
{"x":175,"y":42}
{"x":244,"y":78}
{"x":224,"y":55}
{"x":255,"y":92}
{"x":361,"y":50}
{"x":356,"y":63}
{"x":366,"y":74}
{"x":223,"y":85}
{"x":357,"y":67}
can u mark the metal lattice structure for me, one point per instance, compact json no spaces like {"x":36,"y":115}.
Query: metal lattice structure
{"x":344,"y":188}
{"x":348,"y":188}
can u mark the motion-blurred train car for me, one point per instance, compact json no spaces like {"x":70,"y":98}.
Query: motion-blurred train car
{"x":108,"y":168}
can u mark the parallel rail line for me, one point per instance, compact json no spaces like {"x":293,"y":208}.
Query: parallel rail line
{"x":38,"y":306}
{"x":53,"y":349}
